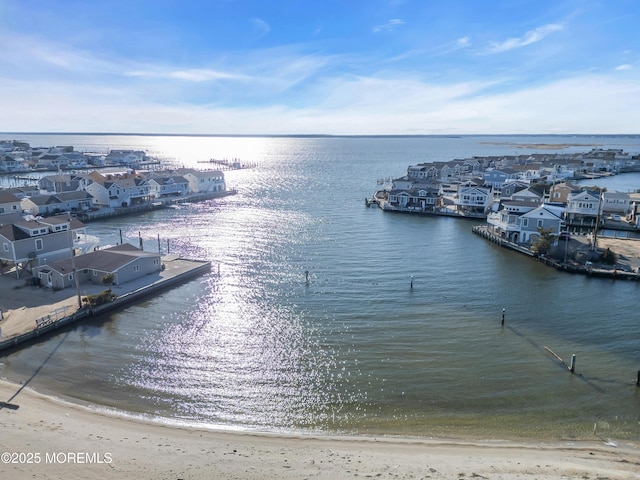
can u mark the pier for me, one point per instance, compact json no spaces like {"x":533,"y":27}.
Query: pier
{"x":586,"y":269}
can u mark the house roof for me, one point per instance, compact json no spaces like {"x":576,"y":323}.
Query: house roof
{"x":200,"y":173}
{"x":12,"y":233}
{"x":78,"y":195}
{"x":44,"y":199}
{"x":8,"y":197}
{"x":553,"y":211}
{"x":107,"y":260}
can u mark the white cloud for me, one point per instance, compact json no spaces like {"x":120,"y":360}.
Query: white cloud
{"x":354,"y":105}
{"x":463,"y":42}
{"x":389,"y":26}
{"x":189,"y":75}
{"x":261,"y":27}
{"x":626,"y":66}
{"x":532,"y":36}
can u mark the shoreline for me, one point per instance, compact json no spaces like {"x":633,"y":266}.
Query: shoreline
{"x":75,"y":441}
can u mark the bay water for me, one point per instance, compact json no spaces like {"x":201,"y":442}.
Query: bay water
{"x":355,"y":350}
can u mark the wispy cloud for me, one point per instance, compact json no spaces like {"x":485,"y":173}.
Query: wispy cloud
{"x":626,"y":66}
{"x":532,"y":36}
{"x":189,"y":75}
{"x":389,"y":26}
{"x":261,"y":27}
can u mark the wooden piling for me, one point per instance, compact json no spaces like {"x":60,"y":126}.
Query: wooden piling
{"x":504,"y":310}
{"x":572,"y":368}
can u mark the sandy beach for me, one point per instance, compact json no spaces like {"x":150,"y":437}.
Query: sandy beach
{"x":44,"y":437}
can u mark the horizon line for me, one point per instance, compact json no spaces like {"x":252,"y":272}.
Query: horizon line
{"x":322,"y":135}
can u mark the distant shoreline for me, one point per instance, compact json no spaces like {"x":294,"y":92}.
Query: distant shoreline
{"x":329,"y":135}
{"x":544,"y":146}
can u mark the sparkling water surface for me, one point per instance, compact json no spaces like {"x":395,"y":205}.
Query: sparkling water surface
{"x":355,"y":350}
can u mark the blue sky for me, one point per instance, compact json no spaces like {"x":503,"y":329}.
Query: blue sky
{"x":320,"y":67}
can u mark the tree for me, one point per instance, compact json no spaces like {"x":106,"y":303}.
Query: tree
{"x":542,"y":244}
{"x":609,"y":257}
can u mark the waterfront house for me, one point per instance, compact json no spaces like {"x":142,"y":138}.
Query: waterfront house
{"x":473,"y":200}
{"x":167,"y":186}
{"x":406,"y":182}
{"x":29,"y":243}
{"x":204,"y":181}
{"x":9,"y":163}
{"x":9,"y":202}
{"x":506,"y":221}
{"x":129,"y":158}
{"x":118,"y":190}
{"x":421,"y":199}
{"x":50,"y":161}
{"x":616,"y":203}
{"x":548,"y":217}
{"x":61,"y":202}
{"x":113,"y":265}
{"x":559,"y":170}
{"x":422,"y":171}
{"x":583,"y":207}
{"x":63,"y":183}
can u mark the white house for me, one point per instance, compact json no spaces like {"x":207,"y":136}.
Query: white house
{"x":204,"y":180}
{"x":473,"y":199}
{"x":118,"y":190}
{"x":130,"y":158}
{"x":616,"y":202}
{"x":583,"y":204}
{"x":168,"y":186}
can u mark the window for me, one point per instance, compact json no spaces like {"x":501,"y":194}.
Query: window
{"x":136,"y":268}
{"x":70,"y":277}
{"x":525,"y":222}
{"x":6,"y":247}
{"x":39,"y":244}
{"x":540,"y":223}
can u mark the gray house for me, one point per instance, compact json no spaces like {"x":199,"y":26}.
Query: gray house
{"x":122,"y":264}
{"x":544,"y":217}
{"x":497,"y":178}
{"x":29,"y":243}
{"x":61,"y":202}
{"x":61,"y":183}
{"x":9,"y":203}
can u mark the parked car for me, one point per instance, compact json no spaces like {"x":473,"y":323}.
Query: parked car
{"x":564,"y":236}
{"x":616,"y":218}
